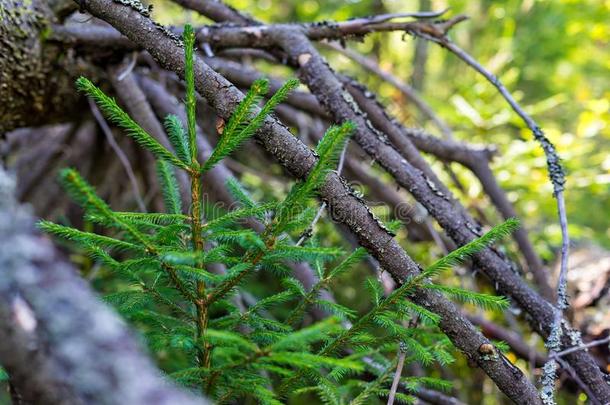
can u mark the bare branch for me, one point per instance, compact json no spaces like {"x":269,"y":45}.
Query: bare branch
{"x":583,"y":346}
{"x":557,"y":177}
{"x":120,"y":154}
{"x":260,"y":35}
{"x":399,"y":365}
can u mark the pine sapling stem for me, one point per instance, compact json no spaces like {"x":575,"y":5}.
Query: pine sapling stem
{"x":196,"y":228}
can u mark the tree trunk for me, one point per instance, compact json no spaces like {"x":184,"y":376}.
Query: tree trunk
{"x":35,"y":87}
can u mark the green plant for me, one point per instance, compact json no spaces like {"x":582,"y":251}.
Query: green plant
{"x":191,"y":317}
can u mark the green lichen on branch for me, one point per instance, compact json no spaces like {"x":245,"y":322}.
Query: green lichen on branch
{"x":33,"y":93}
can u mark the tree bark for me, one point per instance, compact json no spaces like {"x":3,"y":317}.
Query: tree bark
{"x":34,"y":84}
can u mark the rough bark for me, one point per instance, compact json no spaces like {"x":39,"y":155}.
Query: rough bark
{"x":34,"y":84}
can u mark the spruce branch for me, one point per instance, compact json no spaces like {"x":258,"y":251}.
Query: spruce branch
{"x":324,"y":282}
{"x":383,"y":305}
{"x":239,"y":193}
{"x":85,"y":195}
{"x":242,"y":125}
{"x":459,"y":255}
{"x":149,"y":218}
{"x":178,"y":138}
{"x":329,"y":149}
{"x":87,"y":347}
{"x":169,"y":188}
{"x":87,"y":239}
{"x":245,"y":109}
{"x":188,"y":39}
{"x":235,"y":215}
{"x":309,"y":231}
{"x":485,"y":301}
{"x":119,"y":117}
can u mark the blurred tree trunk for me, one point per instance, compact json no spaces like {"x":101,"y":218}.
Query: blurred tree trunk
{"x":420,"y":56}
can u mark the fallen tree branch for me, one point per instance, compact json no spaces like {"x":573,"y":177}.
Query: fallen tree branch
{"x":409,"y":140}
{"x":261,"y":35}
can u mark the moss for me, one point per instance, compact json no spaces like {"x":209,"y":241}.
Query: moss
{"x":35,"y":90}
{"x":45,"y":33}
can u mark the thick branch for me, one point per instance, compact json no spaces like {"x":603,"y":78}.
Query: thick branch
{"x":261,"y":36}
